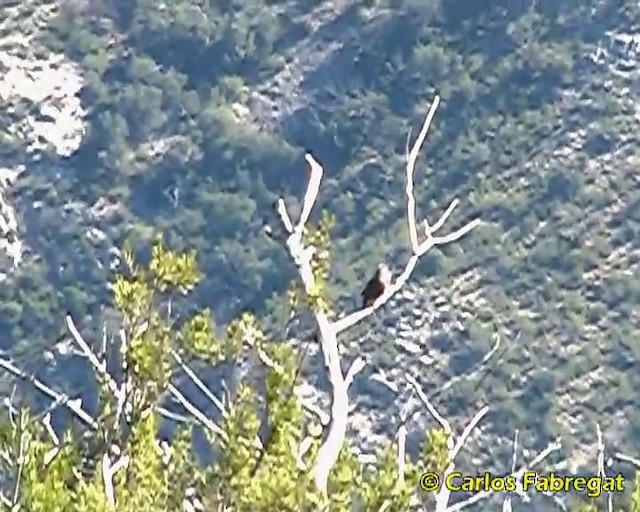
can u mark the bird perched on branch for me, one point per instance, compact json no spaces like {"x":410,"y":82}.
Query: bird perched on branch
{"x":376,"y":285}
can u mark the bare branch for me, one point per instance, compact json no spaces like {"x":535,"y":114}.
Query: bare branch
{"x":101,"y":368}
{"x":514,"y":457}
{"x":402,"y":439}
{"x":20,"y":462}
{"x":72,"y":405}
{"x":108,"y":472}
{"x":173,"y":416}
{"x":443,"y":218}
{"x":304,"y":447}
{"x":601,"y":471}
{"x":312,"y":191}
{"x":281,"y":208}
{"x":120,"y":393}
{"x":479,"y":496}
{"x":204,"y":421}
{"x":411,"y":166}
{"x":107,"y":480}
{"x":301,"y":256}
{"x":442,"y":498}
{"x":198,"y":382}
{"x":425,"y":400}
{"x":49,"y":456}
{"x":356,"y":367}
{"x":467,"y":431}
{"x":626,"y":458}
{"x":402,"y":451}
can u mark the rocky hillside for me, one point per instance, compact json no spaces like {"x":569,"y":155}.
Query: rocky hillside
{"x":192,"y":120}
{"x":40,"y":107}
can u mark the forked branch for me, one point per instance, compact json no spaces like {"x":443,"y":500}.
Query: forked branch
{"x":418,"y":248}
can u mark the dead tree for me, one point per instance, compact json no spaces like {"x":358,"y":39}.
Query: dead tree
{"x":301,"y":255}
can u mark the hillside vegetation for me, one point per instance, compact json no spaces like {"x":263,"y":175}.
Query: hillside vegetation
{"x":198,"y":118}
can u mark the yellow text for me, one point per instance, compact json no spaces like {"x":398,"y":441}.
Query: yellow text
{"x":593,"y":486}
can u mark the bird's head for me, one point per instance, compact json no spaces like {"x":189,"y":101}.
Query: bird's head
{"x":384,"y":274}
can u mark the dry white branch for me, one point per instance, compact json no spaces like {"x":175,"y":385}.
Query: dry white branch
{"x":198,"y":382}
{"x":514,"y":457}
{"x":108,"y":472}
{"x":75,"y":406}
{"x":418,"y":248}
{"x":385,"y":506}
{"x":50,"y":455}
{"x":281,"y":208}
{"x":46,"y":421}
{"x":402,"y":451}
{"x":601,"y":471}
{"x":479,"y":496}
{"x":304,"y":447}
{"x":20,"y":462}
{"x":301,"y":256}
{"x":412,"y":158}
{"x":356,"y":367}
{"x":100,"y":367}
{"x":402,"y":441}
{"x":311,"y":194}
{"x":352,"y":319}
{"x":432,"y":410}
{"x":107,"y":480}
{"x":467,"y":431}
{"x":195,"y":412}
{"x":179,"y":418}
{"x":626,"y":458}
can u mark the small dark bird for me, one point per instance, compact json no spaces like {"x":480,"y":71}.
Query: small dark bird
{"x":376,"y":285}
